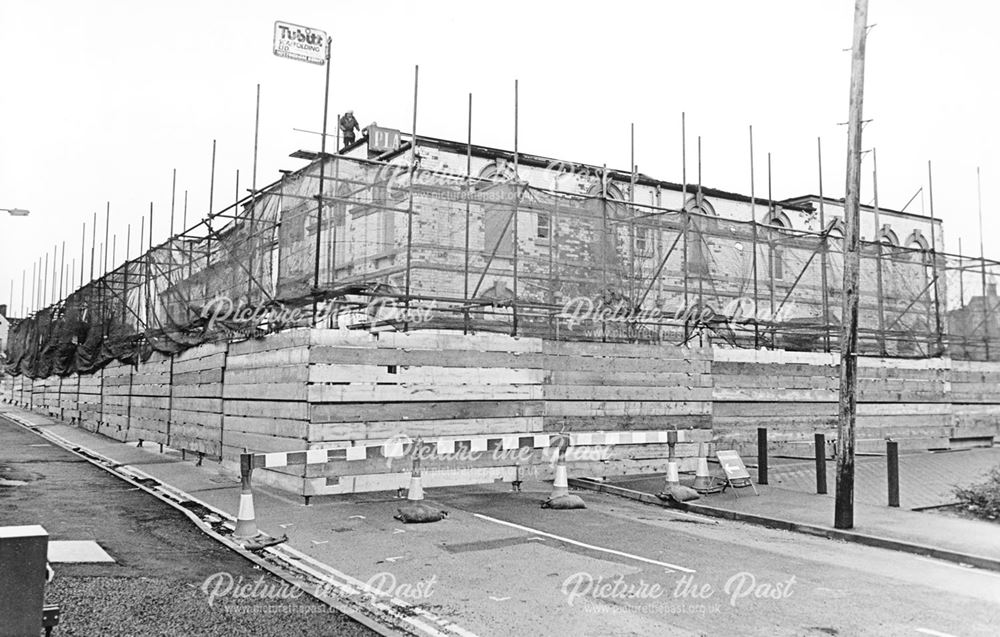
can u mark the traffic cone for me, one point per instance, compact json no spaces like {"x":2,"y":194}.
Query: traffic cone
{"x":560,"y":497}
{"x":246,"y":520}
{"x":416,"y":491}
{"x":702,"y":478}
{"x":560,"y":485}
{"x":415,"y":510}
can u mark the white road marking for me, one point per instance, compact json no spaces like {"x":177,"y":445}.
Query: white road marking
{"x":499,"y":599}
{"x":395,"y":531}
{"x":321,"y":542}
{"x":935,"y":633}
{"x":393,"y":559}
{"x":962,"y":567}
{"x":586,"y":546}
{"x":359,"y":517}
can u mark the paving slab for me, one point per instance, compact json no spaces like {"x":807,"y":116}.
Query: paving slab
{"x":77,"y":552}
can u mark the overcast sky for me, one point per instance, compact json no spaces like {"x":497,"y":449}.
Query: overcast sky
{"x":101,"y":100}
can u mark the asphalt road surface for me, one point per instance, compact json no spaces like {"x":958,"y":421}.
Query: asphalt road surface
{"x":156,"y":586}
{"x":500,"y":565}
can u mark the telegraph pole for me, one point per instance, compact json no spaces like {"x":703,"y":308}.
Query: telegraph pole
{"x":847,"y":409}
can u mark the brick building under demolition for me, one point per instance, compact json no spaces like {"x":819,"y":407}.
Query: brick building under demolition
{"x":666,"y":251}
{"x":486,"y":286}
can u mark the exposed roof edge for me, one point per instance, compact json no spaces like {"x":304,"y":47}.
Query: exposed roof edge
{"x":803,"y":198}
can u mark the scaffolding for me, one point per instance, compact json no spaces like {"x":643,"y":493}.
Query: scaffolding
{"x":400,"y":247}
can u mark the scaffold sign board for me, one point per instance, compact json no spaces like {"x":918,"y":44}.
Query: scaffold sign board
{"x":301,"y":43}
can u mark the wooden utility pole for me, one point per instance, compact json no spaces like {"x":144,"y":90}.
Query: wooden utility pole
{"x":847,"y":411}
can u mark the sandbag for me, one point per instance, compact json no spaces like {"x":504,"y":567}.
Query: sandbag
{"x":419,"y":513}
{"x":564,"y":502}
{"x":679,"y":493}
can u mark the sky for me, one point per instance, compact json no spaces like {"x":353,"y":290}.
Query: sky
{"x":101,"y":100}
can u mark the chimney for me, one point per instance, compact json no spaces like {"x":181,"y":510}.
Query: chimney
{"x":3,"y":309}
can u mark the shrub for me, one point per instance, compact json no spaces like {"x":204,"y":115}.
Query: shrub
{"x":982,"y":499}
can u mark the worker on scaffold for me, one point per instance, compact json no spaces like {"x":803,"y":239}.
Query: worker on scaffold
{"x":347,"y":126}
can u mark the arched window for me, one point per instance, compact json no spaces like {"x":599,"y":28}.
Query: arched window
{"x":918,"y":241}
{"x":705,"y":207}
{"x":615,"y":196}
{"x":835,"y":228}
{"x":499,"y":170}
{"x":779,"y":219}
{"x":887,"y":236}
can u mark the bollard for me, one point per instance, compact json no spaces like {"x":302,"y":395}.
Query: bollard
{"x":892,"y":460}
{"x":761,"y":455}
{"x":820,"y":464}
{"x":672,"y":479}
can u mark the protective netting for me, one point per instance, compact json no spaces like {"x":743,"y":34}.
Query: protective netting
{"x":414,"y":249}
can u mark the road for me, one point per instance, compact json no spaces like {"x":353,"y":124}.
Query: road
{"x":499,"y":565}
{"x":162,"y":560}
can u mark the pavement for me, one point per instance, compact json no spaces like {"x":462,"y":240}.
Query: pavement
{"x":500,"y":565}
{"x":143,"y":564}
{"x":927,"y":480}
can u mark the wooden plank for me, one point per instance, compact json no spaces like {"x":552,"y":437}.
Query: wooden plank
{"x":199,"y":418}
{"x":626,"y":350}
{"x":279,"y":427}
{"x":370,"y":392}
{"x":627,"y":423}
{"x":382,"y":430}
{"x":212,"y":390}
{"x":212,"y":405}
{"x":447,"y":340}
{"x":263,"y":444}
{"x":625,"y":408}
{"x":415,"y":410}
{"x":213,"y":360}
{"x":427,"y":375}
{"x":773,"y":395}
{"x":266,"y":409}
{"x":740,"y":369}
{"x":268,"y":391}
{"x":598,"y":392}
{"x":722,"y":409}
{"x":271,"y":358}
{"x":200,"y":377}
{"x":417,"y":357}
{"x":613,"y":365}
{"x":268,"y":376}
{"x":295,"y":338}
{"x":636,"y":379}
